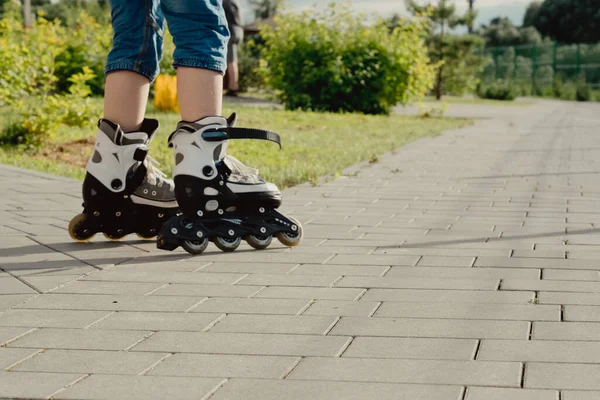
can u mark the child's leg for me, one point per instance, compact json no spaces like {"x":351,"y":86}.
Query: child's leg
{"x":133,"y":61}
{"x":200,"y":33}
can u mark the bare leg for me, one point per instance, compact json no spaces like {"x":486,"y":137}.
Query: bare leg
{"x":234,"y":76}
{"x":200,"y":93}
{"x":125,"y":99}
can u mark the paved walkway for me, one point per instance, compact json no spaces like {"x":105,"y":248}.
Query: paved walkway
{"x":460,"y":267}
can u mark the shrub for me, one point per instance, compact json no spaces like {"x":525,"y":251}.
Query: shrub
{"x":499,"y":90}
{"x":334,"y":62}
{"x":165,"y":93}
{"x":583,"y":92}
{"x":249,"y":65}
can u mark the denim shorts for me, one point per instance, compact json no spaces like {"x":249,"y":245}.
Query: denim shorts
{"x":199,"y":30}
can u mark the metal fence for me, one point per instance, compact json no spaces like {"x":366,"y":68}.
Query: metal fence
{"x":539,"y":66}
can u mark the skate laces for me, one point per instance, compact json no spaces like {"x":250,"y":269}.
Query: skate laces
{"x":155,"y":176}
{"x":242,"y":171}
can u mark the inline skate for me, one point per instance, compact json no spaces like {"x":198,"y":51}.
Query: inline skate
{"x":123,"y":191}
{"x":222,"y":200}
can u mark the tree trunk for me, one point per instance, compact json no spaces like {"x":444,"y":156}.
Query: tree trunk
{"x":27,"y":22}
{"x":440,"y":79}
{"x":471,"y":10}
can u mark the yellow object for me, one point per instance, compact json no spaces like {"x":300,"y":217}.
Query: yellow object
{"x":165,"y":93}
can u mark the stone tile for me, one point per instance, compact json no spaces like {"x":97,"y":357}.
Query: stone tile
{"x":177,"y":289}
{"x":448,"y":296}
{"x":243,"y":343}
{"x":560,"y":254}
{"x":10,"y":300}
{"x":99,"y":287}
{"x":411,"y":348}
{"x":166,"y":276}
{"x":417,"y":283}
{"x":571,"y":275}
{"x":33,"y":385}
{"x":285,"y":324}
{"x":47,"y":283}
{"x":268,"y":389}
{"x":342,"y":308}
{"x":224,"y":366}
{"x":409,"y":371}
{"x":562,"y":376}
{"x":483,"y":393}
{"x":581,"y":313}
{"x":155,"y":321}
{"x":248,"y":268}
{"x":10,"y":356}
{"x":566,"y":331}
{"x":550,"y":286}
{"x":534,"y":263}
{"x":540,"y":351}
{"x":50,"y":318}
{"x":431,"y":328}
{"x":308,"y":293}
{"x":337,"y":270}
{"x":439,"y":261}
{"x":10,"y":285}
{"x":471,"y":311}
{"x":90,"y":362}
{"x":251,"y":306}
{"x":8,"y":334}
{"x":110,"y":302}
{"x":385,"y":260}
{"x":82,"y":339}
{"x":577,"y":395}
{"x":263,"y":257}
{"x":446,"y":252}
{"x":569,"y":298}
{"x":115,"y":387}
{"x":451,"y":272}
{"x":289,"y":280}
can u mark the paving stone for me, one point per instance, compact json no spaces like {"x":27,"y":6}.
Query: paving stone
{"x":448,"y":296}
{"x":483,"y":393}
{"x":11,"y":285}
{"x":224,"y":366}
{"x":534,"y":263}
{"x":566,"y":331}
{"x":264,"y":257}
{"x":338,"y":270}
{"x":539,"y":350}
{"x":385,"y":260}
{"x":8,"y":334}
{"x":439,"y":261}
{"x":417,"y":283}
{"x":109,"y":302}
{"x":550,"y":285}
{"x":342,"y":308}
{"x":409,"y":371}
{"x":115,"y":387}
{"x":286,"y":324}
{"x":99,"y":287}
{"x":90,"y":362}
{"x":10,"y":356}
{"x":47,"y":283}
{"x":571,"y":275}
{"x":427,"y":251}
{"x":248,"y":268}
{"x":128,"y":275}
{"x":268,"y":389}
{"x":560,"y":254}
{"x":581,"y":313}
{"x":206,"y":290}
{"x":451,"y":272}
{"x":33,"y":385}
{"x":289,"y":280}
{"x":562,"y":376}
{"x":244,"y":343}
{"x":431,"y":328}
{"x":251,"y":306}
{"x":50,"y":318}
{"x":10,"y":300}
{"x":470,"y":311}
{"x":83,"y":339}
{"x":155,"y":321}
{"x":289,"y":292}
{"x":573,"y":395}
{"x":411,"y":348}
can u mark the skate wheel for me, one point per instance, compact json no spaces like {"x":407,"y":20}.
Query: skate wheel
{"x":228,"y":244}
{"x":259,"y":242}
{"x":77,"y":231}
{"x":147,"y":235}
{"x":196,"y":246}
{"x":291,"y":239}
{"x":112,"y":237}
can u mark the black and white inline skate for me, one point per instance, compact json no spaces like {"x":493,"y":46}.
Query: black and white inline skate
{"x":123,"y":191}
{"x":222,"y":200}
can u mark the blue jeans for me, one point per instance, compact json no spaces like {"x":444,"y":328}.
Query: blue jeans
{"x":199,"y":30}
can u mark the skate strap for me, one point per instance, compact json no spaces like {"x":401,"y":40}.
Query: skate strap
{"x":251,"y":133}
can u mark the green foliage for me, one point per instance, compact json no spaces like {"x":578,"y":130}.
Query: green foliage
{"x":69,"y":11}
{"x":501,"y":32}
{"x":583,"y":91}
{"x":531,"y":13}
{"x":568,"y":21}
{"x":166,"y":62}
{"x":264,"y":9}
{"x":251,"y":75}
{"x":335,"y":62}
{"x":499,"y":90}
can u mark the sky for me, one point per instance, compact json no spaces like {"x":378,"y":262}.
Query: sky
{"x":487,"y":9}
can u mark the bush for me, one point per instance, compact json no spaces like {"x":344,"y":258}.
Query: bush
{"x":165,"y":93}
{"x":251,"y":76}
{"x":499,"y":90}
{"x":335,"y":62}
{"x":583,"y":92}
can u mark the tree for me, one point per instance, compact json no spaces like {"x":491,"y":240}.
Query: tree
{"x":455,"y":54}
{"x":265,"y":9}
{"x":501,"y":32}
{"x":531,"y":13}
{"x":569,"y":21}
{"x":471,"y":11}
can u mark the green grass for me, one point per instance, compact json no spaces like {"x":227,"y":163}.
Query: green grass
{"x":314,"y":144}
{"x":478,"y":101}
